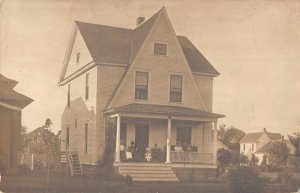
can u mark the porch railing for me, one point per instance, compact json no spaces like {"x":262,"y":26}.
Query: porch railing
{"x":191,"y":157}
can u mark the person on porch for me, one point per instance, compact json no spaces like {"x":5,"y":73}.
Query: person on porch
{"x":148,"y":155}
{"x":134,"y":151}
{"x":178,"y":147}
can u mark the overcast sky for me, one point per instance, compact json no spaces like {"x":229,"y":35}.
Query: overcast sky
{"x":255,"y":45}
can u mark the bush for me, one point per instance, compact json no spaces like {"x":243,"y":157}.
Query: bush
{"x":24,"y":169}
{"x":128,"y":180}
{"x":245,"y":180}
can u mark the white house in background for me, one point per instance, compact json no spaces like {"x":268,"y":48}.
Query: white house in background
{"x":155,"y":84}
{"x":259,"y":143}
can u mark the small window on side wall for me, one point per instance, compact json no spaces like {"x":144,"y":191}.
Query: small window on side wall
{"x":141,"y":85}
{"x":160,"y":49}
{"x":176,"y":88}
{"x":78,"y":57}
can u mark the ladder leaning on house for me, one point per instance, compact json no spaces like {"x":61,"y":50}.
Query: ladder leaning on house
{"x":71,"y":160}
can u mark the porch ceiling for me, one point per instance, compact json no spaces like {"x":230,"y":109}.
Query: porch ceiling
{"x":150,"y":109}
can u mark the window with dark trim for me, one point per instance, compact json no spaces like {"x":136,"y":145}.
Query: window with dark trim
{"x":176,"y":88}
{"x":78,"y":57}
{"x":86,"y":130}
{"x":67,"y":137}
{"x":75,"y":123}
{"x":87,"y":87}
{"x":141,"y":85}
{"x":69,"y":95}
{"x":160,"y":49}
{"x":184,"y":136}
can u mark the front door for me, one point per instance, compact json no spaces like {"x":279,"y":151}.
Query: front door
{"x":142,"y":137}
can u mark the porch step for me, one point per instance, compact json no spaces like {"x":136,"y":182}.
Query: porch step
{"x":148,"y":172}
{"x":155,"y":179}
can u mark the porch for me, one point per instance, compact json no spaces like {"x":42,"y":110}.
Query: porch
{"x":167,"y":134}
{"x":171,"y":172}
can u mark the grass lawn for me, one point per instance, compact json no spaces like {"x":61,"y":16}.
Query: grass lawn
{"x":36,"y":182}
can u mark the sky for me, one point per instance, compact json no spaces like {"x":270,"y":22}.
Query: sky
{"x":254,"y":44}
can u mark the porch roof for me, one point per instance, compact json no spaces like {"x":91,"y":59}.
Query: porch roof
{"x":161,"y":110}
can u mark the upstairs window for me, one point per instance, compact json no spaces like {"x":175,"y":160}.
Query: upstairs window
{"x":87,"y":87}
{"x":175,"y":88}
{"x":67,"y":137}
{"x":86,"y":130}
{"x":78,"y":57}
{"x":69,"y":95}
{"x":141,"y":85}
{"x":160,"y":49}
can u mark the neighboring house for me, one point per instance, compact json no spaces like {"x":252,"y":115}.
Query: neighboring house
{"x":222,"y":145}
{"x":255,"y":143}
{"x":42,"y":145}
{"x":266,"y":148}
{"x":155,"y":84}
{"x":11,"y":105}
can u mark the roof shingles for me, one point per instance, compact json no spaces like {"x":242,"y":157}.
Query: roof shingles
{"x":118,"y":45}
{"x":162,"y":110}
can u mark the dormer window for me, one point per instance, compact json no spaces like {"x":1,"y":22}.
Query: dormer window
{"x":160,"y":49}
{"x":78,"y":57}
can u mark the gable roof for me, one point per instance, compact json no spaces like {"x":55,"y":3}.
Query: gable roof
{"x":268,"y":146}
{"x":161,"y":110}
{"x":119,"y":45}
{"x":253,"y":137}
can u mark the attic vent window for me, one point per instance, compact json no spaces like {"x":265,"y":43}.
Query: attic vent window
{"x":160,"y":49}
{"x":78,"y":57}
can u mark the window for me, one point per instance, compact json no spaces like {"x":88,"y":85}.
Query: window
{"x":86,"y":129}
{"x":75,"y":123}
{"x":87,"y":87}
{"x":184,"y":135}
{"x":67,"y":137}
{"x":175,"y":88}
{"x":160,"y":49}
{"x":69,"y":95}
{"x":78,"y":57}
{"x":244,"y":147}
{"x":252,"y":147}
{"x":141,"y":85}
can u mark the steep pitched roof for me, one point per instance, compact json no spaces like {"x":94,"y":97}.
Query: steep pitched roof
{"x":119,"y":45}
{"x":106,"y":43}
{"x":162,"y":110}
{"x":250,"y":137}
{"x":253,"y":137}
{"x":268,"y":146}
{"x":197,"y":62}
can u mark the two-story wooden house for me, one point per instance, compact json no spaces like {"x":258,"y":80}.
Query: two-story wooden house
{"x":11,"y":105}
{"x":155,"y":84}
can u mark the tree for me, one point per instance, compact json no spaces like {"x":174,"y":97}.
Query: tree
{"x":224,"y":159}
{"x":278,"y":154}
{"x":231,"y":136}
{"x":245,"y":180}
{"x":48,"y":123}
{"x":295,"y":138}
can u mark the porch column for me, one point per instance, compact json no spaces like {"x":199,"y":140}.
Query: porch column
{"x":117,"y":155}
{"x":168,"y":141}
{"x":215,"y":125}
